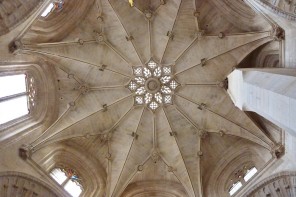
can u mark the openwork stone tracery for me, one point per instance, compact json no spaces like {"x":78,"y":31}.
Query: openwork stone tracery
{"x":153,"y":85}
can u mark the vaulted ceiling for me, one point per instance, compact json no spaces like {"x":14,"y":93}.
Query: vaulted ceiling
{"x":188,"y":148}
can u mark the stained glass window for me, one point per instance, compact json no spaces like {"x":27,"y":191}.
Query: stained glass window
{"x":17,"y":96}
{"x":56,"y":5}
{"x":68,"y":179}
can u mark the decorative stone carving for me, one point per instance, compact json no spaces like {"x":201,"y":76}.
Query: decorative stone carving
{"x":278,"y":151}
{"x":140,"y":168}
{"x":148,"y":14}
{"x":171,"y":169}
{"x":72,"y":105}
{"x":83,"y":88}
{"x":80,"y":41}
{"x":100,"y":38}
{"x":203,"y":62}
{"x":224,"y":84}
{"x":170,"y":34}
{"x":15,"y":47}
{"x":108,"y":156}
{"x":103,"y":67}
{"x":201,"y":106}
{"x":71,"y":76}
{"x":200,"y":34}
{"x":23,"y":185}
{"x":100,"y":19}
{"x":105,"y":137}
{"x":222,"y":133}
{"x":155,"y":156}
{"x":134,"y":135}
{"x":163,"y":2}
{"x":25,"y":152}
{"x":105,"y":107}
{"x":278,"y":33}
{"x":277,"y":10}
{"x":129,"y":38}
{"x":221,"y":35}
{"x":281,"y":184}
{"x":203,"y":134}
{"x":196,"y":14}
{"x":153,"y":85}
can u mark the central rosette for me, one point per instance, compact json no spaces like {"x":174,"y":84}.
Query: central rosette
{"x":153,"y":85}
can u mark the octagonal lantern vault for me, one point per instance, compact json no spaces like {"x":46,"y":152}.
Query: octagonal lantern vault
{"x":153,"y":85}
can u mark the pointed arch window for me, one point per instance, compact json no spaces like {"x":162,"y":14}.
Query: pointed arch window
{"x":17,"y":96}
{"x":68,"y":179}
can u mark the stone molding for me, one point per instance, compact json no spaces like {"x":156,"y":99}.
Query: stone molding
{"x":276,"y":10}
{"x":20,"y":184}
{"x":44,"y":114}
{"x":280,"y":184}
{"x":151,"y":188}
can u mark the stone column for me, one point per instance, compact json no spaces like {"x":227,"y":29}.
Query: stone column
{"x":268,"y":92}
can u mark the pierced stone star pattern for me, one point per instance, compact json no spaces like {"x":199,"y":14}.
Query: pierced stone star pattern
{"x":153,"y":85}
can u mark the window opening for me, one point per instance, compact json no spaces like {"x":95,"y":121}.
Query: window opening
{"x":250,"y":173}
{"x":17,"y":96}
{"x":57,"y":5}
{"x":68,"y":179}
{"x":235,"y":187}
{"x":240,"y":177}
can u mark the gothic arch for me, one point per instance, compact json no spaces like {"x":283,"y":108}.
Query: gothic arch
{"x":19,"y":184}
{"x":90,"y":170}
{"x":280,"y":184}
{"x":43,"y":114}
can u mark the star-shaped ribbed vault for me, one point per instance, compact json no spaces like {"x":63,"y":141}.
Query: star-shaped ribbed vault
{"x":153,"y":85}
{"x":143,"y":85}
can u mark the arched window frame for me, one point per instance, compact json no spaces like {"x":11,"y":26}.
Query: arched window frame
{"x":39,"y":116}
{"x":71,"y":175}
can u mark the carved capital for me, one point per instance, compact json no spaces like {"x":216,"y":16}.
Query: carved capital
{"x":278,"y":33}
{"x":278,"y":151}
{"x":15,"y":47}
{"x":224,"y":84}
{"x":25,"y":151}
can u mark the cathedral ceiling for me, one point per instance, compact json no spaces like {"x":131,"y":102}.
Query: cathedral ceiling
{"x":143,"y":91}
